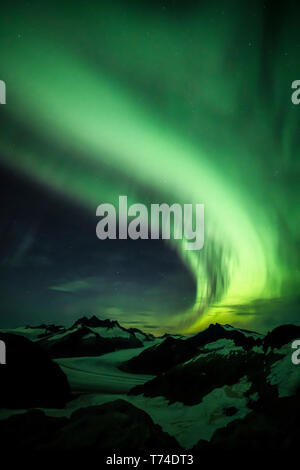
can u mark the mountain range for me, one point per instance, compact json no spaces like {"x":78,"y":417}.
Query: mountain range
{"x":86,"y":337}
{"x":221,"y":388}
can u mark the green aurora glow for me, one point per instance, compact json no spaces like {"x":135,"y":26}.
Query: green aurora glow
{"x":190,"y":109}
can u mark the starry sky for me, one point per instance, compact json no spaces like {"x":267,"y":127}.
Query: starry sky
{"x":165,"y":101}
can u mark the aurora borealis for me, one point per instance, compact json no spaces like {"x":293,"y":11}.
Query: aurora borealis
{"x":163,"y":102}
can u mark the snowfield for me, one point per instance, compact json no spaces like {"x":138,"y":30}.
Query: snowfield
{"x":98,"y":380}
{"x":101,"y":373}
{"x":187,"y":424}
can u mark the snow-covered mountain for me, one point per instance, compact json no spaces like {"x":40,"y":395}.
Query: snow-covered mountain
{"x":90,"y":337}
{"x":231,"y":390}
{"x":215,"y":364}
{"x":34,"y":333}
{"x":86,"y":337}
{"x":175,"y":350}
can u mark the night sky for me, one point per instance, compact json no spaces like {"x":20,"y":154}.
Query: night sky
{"x":164,"y":101}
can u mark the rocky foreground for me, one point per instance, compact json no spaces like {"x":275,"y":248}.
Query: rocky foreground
{"x":221,"y":389}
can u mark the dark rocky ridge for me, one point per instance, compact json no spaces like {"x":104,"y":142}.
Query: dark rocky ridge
{"x":281,"y":335}
{"x":244,"y":338}
{"x":159,"y":358}
{"x":30,"y":378}
{"x":272,"y":427}
{"x":116,"y":426}
{"x":189,"y":382}
{"x":173,"y":351}
{"x":84,"y":342}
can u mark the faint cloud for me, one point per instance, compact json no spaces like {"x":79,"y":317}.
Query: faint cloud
{"x":72,"y":286}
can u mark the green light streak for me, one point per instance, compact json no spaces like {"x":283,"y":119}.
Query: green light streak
{"x":100,"y":121}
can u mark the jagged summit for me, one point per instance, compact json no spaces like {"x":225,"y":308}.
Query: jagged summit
{"x":94,"y":322}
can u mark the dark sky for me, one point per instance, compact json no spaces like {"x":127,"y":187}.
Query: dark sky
{"x":54,"y":268}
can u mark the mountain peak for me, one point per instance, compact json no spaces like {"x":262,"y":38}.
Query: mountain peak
{"x":214,"y":332}
{"x":94,"y":321}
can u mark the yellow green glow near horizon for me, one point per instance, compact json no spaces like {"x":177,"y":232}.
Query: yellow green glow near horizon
{"x":100,"y":120}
